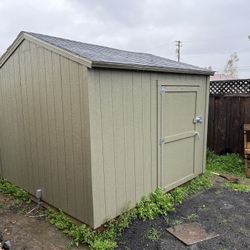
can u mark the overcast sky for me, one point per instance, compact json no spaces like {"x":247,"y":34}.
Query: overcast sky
{"x":210,"y":30}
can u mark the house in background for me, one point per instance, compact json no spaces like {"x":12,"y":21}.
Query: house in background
{"x":98,"y":128}
{"x":220,"y":76}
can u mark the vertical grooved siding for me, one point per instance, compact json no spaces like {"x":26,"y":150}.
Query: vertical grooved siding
{"x":45,"y":128}
{"x":124,"y":135}
{"x":138,"y":135}
{"x":123,"y":140}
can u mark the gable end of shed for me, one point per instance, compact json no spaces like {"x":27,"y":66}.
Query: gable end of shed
{"x":24,"y":36}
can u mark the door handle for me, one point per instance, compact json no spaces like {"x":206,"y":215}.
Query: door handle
{"x":198,"y":119}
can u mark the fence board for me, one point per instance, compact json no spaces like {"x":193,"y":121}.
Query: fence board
{"x":235,"y":124}
{"x":227,"y":114}
{"x":229,"y":109}
{"x":210,"y":131}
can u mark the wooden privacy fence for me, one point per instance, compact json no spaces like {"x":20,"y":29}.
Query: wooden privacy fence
{"x":229,"y":109}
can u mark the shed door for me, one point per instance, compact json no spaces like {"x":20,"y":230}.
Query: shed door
{"x":179,"y":132}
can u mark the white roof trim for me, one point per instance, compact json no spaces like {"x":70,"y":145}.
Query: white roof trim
{"x":151,"y":69}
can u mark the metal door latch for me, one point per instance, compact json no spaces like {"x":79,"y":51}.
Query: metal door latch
{"x":198,"y":119}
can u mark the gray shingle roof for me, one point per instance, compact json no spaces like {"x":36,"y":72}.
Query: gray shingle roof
{"x":101,"y":56}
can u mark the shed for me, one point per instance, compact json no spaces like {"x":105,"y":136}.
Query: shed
{"x":97,"y":128}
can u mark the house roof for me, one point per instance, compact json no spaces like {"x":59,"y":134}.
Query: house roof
{"x":100,"y":56}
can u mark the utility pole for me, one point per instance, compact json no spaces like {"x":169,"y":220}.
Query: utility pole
{"x":178,"y":50}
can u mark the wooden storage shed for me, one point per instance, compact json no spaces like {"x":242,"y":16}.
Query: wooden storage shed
{"x":97,"y":128}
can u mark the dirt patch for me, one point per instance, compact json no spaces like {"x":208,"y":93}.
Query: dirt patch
{"x":218,"y":210}
{"x":28,"y":233}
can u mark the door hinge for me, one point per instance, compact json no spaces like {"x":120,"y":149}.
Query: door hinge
{"x":163,"y":90}
{"x":162,"y":141}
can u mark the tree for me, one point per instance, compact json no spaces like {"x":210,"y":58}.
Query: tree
{"x":231,"y":69}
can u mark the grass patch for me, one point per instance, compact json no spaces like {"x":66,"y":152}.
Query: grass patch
{"x":193,"y":217}
{"x":153,"y":234}
{"x":226,"y":164}
{"x":237,"y":187}
{"x":12,"y":190}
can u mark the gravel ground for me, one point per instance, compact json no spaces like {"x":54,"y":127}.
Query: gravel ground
{"x":219,"y":211}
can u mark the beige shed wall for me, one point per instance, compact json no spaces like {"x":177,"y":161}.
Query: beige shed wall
{"x":44,"y":129}
{"x":124,"y":135}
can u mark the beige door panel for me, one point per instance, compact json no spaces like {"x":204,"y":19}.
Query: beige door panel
{"x":179,"y":134}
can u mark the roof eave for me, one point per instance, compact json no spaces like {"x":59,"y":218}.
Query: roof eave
{"x":10,"y":50}
{"x":24,"y":36}
{"x":147,"y":68}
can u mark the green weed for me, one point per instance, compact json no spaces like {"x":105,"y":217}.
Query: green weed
{"x":60,"y":220}
{"x":17,"y":193}
{"x":203,"y":208}
{"x":192,"y":217}
{"x":237,"y":187}
{"x":202,"y":182}
{"x":227,"y":164}
{"x":85,"y":235}
{"x":178,"y":222}
{"x":103,"y":244}
{"x":153,"y":234}
{"x":156,"y":204}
